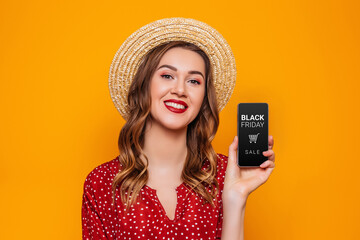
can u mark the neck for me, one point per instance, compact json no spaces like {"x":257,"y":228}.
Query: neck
{"x":165,"y":148}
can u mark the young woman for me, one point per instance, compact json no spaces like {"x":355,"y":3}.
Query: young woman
{"x":168,"y":182}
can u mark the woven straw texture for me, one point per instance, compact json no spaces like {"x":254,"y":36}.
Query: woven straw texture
{"x":128,"y":57}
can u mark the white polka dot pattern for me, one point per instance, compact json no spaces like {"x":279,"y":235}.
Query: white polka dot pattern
{"x":147,"y":218}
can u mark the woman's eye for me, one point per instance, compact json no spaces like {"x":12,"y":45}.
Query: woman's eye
{"x":166,"y":76}
{"x":194,"y":81}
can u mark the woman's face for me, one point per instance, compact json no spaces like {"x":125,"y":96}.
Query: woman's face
{"x":177,"y":88}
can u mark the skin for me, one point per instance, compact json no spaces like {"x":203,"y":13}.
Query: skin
{"x":172,"y":80}
{"x":165,"y":134}
{"x":239,"y":183}
{"x":165,"y":141}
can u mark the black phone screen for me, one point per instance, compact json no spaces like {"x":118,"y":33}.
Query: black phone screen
{"x":253,"y":131}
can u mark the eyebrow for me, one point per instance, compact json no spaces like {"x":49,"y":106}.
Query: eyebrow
{"x":174,"y":68}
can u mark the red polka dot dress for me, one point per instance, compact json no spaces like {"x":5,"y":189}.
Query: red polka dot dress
{"x":147,"y":219}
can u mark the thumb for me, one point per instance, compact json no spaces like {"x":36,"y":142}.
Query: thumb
{"x":232,"y":167}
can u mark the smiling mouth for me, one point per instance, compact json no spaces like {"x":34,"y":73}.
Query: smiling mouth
{"x":175,"y":105}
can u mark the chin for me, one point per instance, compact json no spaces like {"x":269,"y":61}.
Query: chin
{"x":174,"y":126}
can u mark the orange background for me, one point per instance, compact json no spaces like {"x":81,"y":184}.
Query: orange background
{"x":58,"y":121}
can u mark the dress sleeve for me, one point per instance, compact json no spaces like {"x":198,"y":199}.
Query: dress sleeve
{"x":92,"y":225}
{"x":219,"y":224}
{"x":221,"y":170}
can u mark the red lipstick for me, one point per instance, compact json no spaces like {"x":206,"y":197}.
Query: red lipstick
{"x":173,"y":108}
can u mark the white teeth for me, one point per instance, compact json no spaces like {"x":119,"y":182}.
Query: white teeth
{"x":175,"y":105}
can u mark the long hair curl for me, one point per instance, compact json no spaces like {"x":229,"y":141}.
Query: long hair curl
{"x":133,"y":174}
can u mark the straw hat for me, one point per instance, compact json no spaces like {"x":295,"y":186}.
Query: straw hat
{"x":127,"y":58}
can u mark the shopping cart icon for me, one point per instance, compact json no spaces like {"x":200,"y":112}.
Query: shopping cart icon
{"x":253,"y":138}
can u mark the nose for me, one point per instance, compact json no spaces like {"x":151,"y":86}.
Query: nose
{"x":179,"y":88}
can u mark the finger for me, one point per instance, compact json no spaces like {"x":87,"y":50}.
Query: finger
{"x":232,"y":170}
{"x":232,"y":151}
{"x":270,"y":154}
{"x":269,"y":170}
{"x":268,"y":164}
{"x":271,"y":142}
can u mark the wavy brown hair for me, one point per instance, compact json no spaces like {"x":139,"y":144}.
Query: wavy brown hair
{"x":133,"y":174}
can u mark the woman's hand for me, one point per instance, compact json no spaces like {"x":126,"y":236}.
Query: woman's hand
{"x":240,"y":182}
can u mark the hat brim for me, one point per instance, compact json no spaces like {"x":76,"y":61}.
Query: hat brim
{"x":127,"y":58}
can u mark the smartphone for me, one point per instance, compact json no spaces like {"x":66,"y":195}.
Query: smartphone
{"x":253,"y":133}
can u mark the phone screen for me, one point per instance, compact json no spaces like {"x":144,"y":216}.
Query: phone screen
{"x":253,"y":131}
